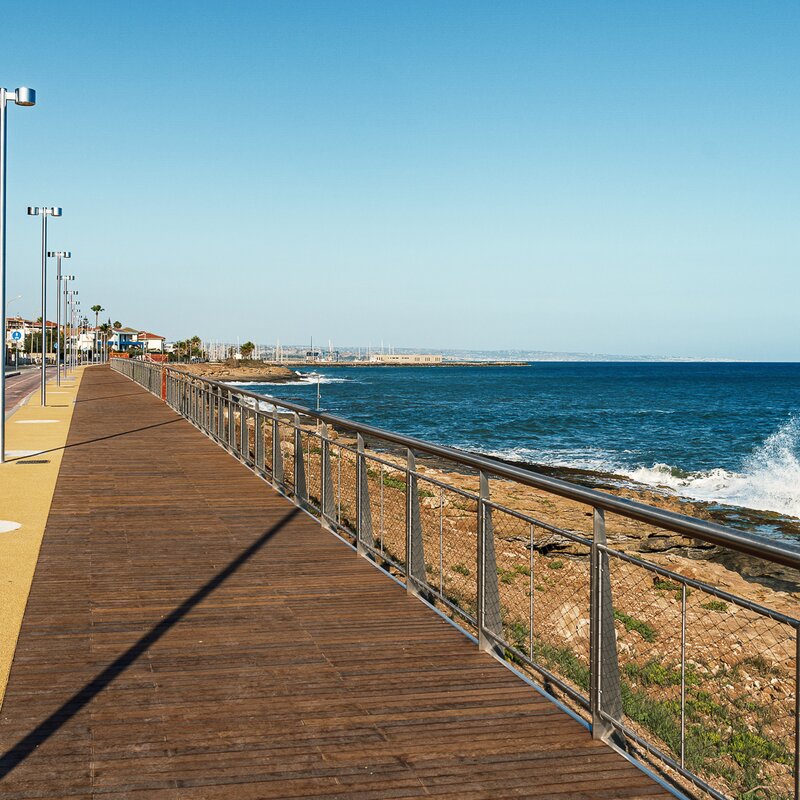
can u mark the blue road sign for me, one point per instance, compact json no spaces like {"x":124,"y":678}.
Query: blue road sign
{"x":16,"y":336}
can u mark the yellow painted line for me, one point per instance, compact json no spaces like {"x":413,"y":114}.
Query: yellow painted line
{"x":26,"y":492}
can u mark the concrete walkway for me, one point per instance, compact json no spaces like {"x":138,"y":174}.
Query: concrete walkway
{"x":35,"y":438}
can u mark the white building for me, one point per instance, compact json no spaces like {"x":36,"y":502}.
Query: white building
{"x":151,"y":342}
{"x":406,"y":358}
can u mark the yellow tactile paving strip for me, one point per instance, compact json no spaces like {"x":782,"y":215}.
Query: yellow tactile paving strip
{"x":26,"y":491}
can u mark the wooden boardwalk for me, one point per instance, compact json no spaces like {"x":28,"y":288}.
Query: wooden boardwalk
{"x":191,"y":634}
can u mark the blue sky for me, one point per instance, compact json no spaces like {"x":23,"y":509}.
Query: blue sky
{"x":604,"y":177}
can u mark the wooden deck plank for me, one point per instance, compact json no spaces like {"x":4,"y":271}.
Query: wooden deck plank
{"x":190,"y":634}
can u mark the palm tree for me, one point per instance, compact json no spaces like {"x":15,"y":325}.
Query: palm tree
{"x":247,"y":350}
{"x":117,"y":325}
{"x":97,"y":309}
{"x":106,"y":331}
{"x":182,"y":348}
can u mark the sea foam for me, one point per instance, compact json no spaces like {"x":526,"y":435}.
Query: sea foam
{"x":306,"y":379}
{"x":768,"y":481}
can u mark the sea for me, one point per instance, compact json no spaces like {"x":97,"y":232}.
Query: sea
{"x":726,"y":434}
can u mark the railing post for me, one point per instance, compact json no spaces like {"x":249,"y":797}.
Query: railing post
{"x":604,"y":691}
{"x":231,"y":423}
{"x":258,"y":433}
{"x":300,"y":492}
{"x":220,"y":415}
{"x":328,"y":502}
{"x":416,"y":576}
{"x":489,"y":617}
{"x":363,"y":511}
{"x":277,"y":455}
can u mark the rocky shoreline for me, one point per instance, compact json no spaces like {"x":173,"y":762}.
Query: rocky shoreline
{"x":672,"y":550}
{"x":240,"y":371}
{"x":757,"y":580}
{"x":747,"y":519}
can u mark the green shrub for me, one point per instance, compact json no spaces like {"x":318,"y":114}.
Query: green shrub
{"x":714,"y":605}
{"x":563,"y":662}
{"x":646,"y":631}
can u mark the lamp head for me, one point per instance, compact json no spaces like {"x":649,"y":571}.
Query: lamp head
{"x":25,"y":96}
{"x":33,"y":211}
{"x":56,"y":212}
{"x":67,"y":277}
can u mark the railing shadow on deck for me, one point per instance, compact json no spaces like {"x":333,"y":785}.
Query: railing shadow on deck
{"x":94,"y":441}
{"x":696,"y":676}
{"x":25,"y":746}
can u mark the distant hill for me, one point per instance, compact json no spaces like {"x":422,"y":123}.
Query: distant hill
{"x":541,"y":355}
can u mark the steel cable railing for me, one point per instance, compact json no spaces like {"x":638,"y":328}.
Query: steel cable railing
{"x":688,"y":665}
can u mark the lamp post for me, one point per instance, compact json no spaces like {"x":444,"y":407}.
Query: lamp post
{"x":22,"y":97}
{"x":76,"y":311}
{"x":71,"y":317}
{"x":58,"y":255}
{"x":73,"y":314}
{"x":65,"y":279}
{"x":44,"y":213}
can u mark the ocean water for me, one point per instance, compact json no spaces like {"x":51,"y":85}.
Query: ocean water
{"x":718,"y":432}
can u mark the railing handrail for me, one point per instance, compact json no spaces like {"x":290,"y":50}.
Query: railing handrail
{"x":710,"y":532}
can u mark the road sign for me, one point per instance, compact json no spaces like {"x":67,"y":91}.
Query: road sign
{"x":16,"y":336}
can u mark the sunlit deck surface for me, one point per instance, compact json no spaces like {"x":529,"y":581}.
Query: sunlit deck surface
{"x":192,"y":634}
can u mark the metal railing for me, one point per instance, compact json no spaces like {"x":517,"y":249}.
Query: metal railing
{"x":686,"y":659}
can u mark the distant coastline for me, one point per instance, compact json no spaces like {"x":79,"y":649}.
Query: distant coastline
{"x":329,"y":364}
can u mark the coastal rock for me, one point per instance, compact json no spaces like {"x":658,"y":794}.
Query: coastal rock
{"x":656,"y":543}
{"x":255,"y":371}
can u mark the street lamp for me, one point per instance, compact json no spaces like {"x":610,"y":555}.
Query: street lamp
{"x":58,"y":255}
{"x":76,"y":315}
{"x":65,"y":279}
{"x":22,"y":97}
{"x":73,"y":341}
{"x":44,"y":213}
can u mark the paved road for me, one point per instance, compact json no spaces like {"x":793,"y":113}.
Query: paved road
{"x":20,"y":386}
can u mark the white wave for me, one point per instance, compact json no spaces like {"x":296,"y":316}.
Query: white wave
{"x":314,"y":377}
{"x":306,"y":379}
{"x":588,"y":458}
{"x":769,"y":479}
